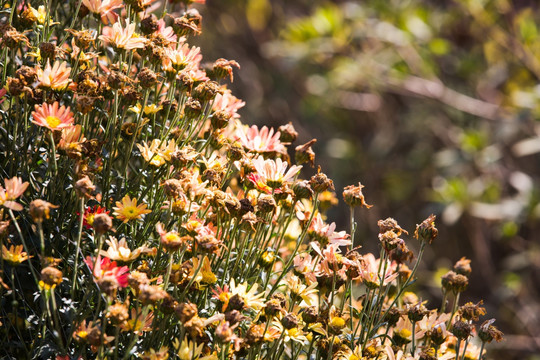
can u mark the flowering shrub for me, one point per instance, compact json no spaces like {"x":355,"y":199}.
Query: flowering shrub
{"x":141,"y":218}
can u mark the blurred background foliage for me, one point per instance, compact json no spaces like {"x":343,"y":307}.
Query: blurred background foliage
{"x":433,"y":105}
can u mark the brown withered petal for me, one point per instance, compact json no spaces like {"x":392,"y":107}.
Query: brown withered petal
{"x":305,"y":154}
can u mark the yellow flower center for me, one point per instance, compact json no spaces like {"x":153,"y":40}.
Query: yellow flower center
{"x":404,"y":333}
{"x":337,"y":322}
{"x":82,"y":334}
{"x":172,"y":236}
{"x":90,"y":219}
{"x":130,"y":212}
{"x":52,"y":121}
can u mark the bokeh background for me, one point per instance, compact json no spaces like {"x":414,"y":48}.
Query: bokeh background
{"x":432,"y":105}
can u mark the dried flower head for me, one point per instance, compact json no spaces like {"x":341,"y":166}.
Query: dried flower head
{"x":426,"y":231}
{"x":40,"y":210}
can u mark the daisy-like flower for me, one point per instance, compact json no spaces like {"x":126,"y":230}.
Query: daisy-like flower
{"x":294,"y":334}
{"x":260,"y":183}
{"x":369,"y":272}
{"x":52,"y":116}
{"x":325,"y":234}
{"x":205,"y":275}
{"x":185,"y":58}
{"x":230,"y":104}
{"x":123,"y":37}
{"x":188,"y":350}
{"x":157,"y":153}
{"x":120,"y":251}
{"x":298,"y":290}
{"x":14,"y":188}
{"x":251,"y":299}
{"x":261,"y":141}
{"x":129,"y":210}
{"x":402,"y":332}
{"x":104,"y":8}
{"x":55,"y":77}
{"x":275,"y":171}
{"x":170,"y":240}
{"x":90,"y":213}
{"x":14,"y":254}
{"x":71,"y":137}
{"x":107,"y":268}
{"x":138,"y":322}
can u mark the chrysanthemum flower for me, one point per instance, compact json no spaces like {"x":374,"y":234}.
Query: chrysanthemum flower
{"x":120,"y":251}
{"x":52,"y":116}
{"x":107,"y":268}
{"x":129,"y":210}
{"x":55,"y":77}
{"x":104,"y":8}
{"x":14,"y":254}
{"x":90,"y":213}
{"x":261,"y":141}
{"x":275,"y":171}
{"x":251,"y":299}
{"x":123,"y":37}
{"x":230,"y":104}
{"x":138,"y":323}
{"x":325,"y":232}
{"x":185,"y":58}
{"x":294,"y":334}
{"x":157,"y":153}
{"x":299,"y":290}
{"x":14,"y":188}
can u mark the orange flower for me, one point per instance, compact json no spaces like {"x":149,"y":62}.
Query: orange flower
{"x":129,"y":210}
{"x":55,"y":77}
{"x":52,"y":117}
{"x":104,"y":8}
{"x":14,"y":188}
{"x":15,"y":254}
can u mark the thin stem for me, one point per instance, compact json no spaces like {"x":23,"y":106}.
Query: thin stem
{"x":79,"y":236}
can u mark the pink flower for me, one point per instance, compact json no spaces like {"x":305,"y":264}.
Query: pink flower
{"x":52,"y":117}
{"x":326,"y":233}
{"x":275,"y":172}
{"x":229,"y":104}
{"x":184,"y":58}
{"x":123,"y":37}
{"x":104,"y":8}
{"x":14,"y":188}
{"x":263,"y":141}
{"x":107,"y":268}
{"x":55,"y":77}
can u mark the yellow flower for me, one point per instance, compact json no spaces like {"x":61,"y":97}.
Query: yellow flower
{"x":15,"y":254}
{"x":157,"y":153}
{"x":129,"y":210}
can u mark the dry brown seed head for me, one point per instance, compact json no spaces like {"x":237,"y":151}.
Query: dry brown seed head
{"x":305,"y":154}
{"x":287,"y":133}
{"x":320,"y":182}
{"x":40,"y":210}
{"x":186,"y":311}
{"x":51,"y":276}
{"x":149,"y":24}
{"x":102,"y":223}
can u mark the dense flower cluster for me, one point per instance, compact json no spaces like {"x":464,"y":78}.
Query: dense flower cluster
{"x":140,"y":218}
